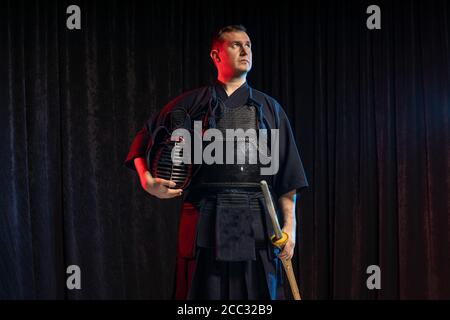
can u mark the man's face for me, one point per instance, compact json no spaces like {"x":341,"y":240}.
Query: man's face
{"x":234,"y":55}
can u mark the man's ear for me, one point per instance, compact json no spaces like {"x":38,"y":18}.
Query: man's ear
{"x":214,"y":54}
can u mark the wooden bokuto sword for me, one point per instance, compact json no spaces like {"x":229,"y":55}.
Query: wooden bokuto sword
{"x":279,"y":239}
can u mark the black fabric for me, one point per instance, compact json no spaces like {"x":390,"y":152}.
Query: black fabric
{"x":369,"y":111}
{"x":234,"y":235}
{"x":260,"y":222}
{"x":218,"y":280}
{"x":234,"y":221}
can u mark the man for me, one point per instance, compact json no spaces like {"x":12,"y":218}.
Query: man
{"x":224,"y":251}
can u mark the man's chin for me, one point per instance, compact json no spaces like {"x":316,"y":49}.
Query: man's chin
{"x":242,"y":71}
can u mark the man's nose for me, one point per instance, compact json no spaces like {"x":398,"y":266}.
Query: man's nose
{"x":245,"y":51}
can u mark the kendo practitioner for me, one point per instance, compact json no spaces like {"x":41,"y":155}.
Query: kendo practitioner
{"x":224,"y":249}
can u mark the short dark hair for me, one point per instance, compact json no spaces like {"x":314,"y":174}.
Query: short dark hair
{"x":217,"y":38}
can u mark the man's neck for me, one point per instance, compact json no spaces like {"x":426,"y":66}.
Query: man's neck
{"x":231,"y":85}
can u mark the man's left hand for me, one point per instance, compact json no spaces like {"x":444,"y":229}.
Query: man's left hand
{"x":288,"y":250}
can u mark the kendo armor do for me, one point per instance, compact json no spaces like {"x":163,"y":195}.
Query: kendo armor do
{"x":161,"y":165}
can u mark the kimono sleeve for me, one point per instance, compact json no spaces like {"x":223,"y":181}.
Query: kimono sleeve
{"x":291,"y":174}
{"x":141,"y":143}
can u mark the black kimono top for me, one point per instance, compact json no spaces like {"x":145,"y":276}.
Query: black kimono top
{"x":290,"y":175}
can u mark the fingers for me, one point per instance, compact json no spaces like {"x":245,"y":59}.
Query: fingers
{"x":287,"y":252}
{"x":160,"y":188}
{"x":174,"y":192}
{"x":285,"y":255}
{"x":164,"y":182}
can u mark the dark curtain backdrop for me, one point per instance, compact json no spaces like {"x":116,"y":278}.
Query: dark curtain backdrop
{"x":370,"y":112}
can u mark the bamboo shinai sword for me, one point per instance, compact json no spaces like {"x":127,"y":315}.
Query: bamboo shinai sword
{"x":279,"y":239}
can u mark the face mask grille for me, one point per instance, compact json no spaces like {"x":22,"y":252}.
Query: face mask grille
{"x":167,"y":163}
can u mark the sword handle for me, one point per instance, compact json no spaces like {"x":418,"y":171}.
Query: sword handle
{"x":279,"y":239}
{"x":287,"y":265}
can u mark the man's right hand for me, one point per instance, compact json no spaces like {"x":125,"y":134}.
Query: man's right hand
{"x":159,"y":187}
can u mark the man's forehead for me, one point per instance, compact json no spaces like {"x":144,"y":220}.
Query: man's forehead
{"x":240,"y":36}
